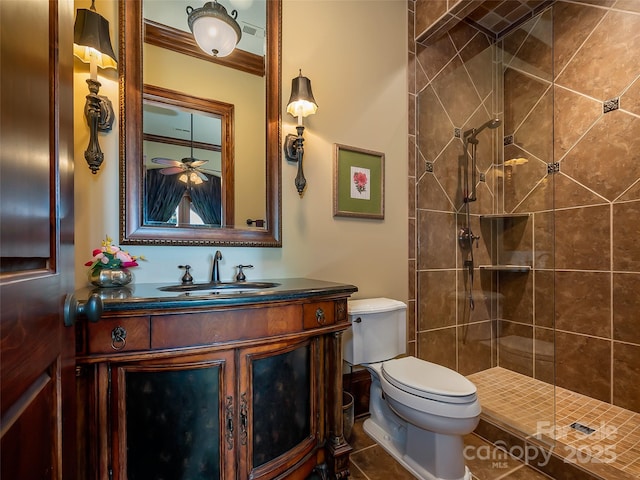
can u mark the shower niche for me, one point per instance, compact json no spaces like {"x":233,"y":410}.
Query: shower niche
{"x":510,"y":248}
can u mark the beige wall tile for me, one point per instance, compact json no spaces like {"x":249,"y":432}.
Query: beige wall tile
{"x":428,"y":12}
{"x":438,"y":346}
{"x":583,"y":302}
{"x":436,"y":293}
{"x":572,"y":24}
{"x":436,"y":240}
{"x":474,"y":347}
{"x":583,"y":364}
{"x":607,"y":62}
{"x":583,"y":238}
{"x":605,"y":159}
{"x":626,"y":307}
{"x":626,"y":244}
{"x":626,"y":376}
{"x":515,"y":347}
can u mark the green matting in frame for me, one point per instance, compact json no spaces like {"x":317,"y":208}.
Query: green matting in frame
{"x":358,"y":183}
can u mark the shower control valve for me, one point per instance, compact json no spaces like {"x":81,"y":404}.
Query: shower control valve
{"x":466,"y":238}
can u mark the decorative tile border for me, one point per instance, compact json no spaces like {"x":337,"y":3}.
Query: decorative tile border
{"x":611,"y":105}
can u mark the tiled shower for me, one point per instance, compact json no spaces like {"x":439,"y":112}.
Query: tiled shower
{"x":556,"y":284}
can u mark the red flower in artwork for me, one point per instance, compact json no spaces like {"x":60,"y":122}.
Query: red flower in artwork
{"x":360,"y":179}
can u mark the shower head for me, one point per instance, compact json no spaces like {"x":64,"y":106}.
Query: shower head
{"x":470,"y":135}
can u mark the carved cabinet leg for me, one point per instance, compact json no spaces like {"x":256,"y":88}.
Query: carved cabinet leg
{"x":338,"y":448}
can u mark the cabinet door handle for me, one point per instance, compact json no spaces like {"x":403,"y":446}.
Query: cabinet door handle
{"x":229,"y":414}
{"x":244,"y":421}
{"x":320,"y":318}
{"x":118,"y":338}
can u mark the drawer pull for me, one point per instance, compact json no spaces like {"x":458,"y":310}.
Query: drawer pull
{"x":118,"y":338}
{"x":320,"y":318}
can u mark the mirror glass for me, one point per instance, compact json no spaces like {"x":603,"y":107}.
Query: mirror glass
{"x":200,"y":156}
{"x":188,"y":168}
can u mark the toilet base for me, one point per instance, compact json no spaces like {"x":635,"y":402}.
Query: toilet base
{"x":391,"y":445}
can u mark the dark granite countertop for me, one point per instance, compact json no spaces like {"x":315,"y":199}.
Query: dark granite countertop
{"x":148,"y":295}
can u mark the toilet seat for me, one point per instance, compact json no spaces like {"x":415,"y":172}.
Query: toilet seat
{"x":428,"y":380}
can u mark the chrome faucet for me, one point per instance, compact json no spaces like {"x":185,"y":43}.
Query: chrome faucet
{"x":215,"y":272}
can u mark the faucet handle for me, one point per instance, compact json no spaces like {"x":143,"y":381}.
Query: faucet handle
{"x":187,"y":279}
{"x":240,"y":277}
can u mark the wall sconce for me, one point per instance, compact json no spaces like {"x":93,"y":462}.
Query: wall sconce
{"x":301,"y":104}
{"x":216,"y":32}
{"x":92,"y":45}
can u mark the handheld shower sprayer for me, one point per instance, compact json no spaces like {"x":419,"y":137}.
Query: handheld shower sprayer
{"x":470,"y":137}
{"x":465,"y":235}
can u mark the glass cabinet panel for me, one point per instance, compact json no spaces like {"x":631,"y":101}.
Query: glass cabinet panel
{"x":173,"y":423}
{"x":281,"y":386}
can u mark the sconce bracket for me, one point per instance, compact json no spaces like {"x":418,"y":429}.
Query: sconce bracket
{"x":294,"y":152}
{"x":107,"y":115}
{"x":100,"y":116}
{"x":290,"y":148}
{"x":105,"y":107}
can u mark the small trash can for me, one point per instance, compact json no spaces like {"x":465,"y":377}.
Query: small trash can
{"x":347,"y":415}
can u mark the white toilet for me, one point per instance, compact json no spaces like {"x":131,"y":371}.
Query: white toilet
{"x":419,"y":410}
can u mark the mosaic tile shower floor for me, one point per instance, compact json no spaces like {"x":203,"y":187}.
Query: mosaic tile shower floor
{"x":526,"y":405}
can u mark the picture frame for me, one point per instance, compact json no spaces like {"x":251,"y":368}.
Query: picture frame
{"x":358,"y":182}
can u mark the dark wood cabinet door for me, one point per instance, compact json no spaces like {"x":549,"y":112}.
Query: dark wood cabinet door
{"x":175,"y":419}
{"x":37,"y":369}
{"x":279,"y":386}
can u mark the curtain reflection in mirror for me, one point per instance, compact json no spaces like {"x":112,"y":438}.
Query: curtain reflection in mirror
{"x":205,"y":199}
{"x":164,"y":193}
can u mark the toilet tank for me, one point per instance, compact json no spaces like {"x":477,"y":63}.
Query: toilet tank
{"x":378,"y":330}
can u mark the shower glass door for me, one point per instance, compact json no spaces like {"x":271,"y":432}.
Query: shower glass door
{"x":522,"y":232}
{"x":485,"y":217}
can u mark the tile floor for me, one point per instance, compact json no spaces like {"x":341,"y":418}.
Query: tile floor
{"x":370,"y":462}
{"x":612,"y":450}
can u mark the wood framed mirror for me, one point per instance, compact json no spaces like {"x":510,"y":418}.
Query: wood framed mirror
{"x":134,"y":227}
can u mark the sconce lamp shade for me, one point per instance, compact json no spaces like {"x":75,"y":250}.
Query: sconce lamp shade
{"x":91,"y":34}
{"x":301,"y":103}
{"x":215,"y":31}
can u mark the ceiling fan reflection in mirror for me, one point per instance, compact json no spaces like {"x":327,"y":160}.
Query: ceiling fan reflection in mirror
{"x":187,"y":168}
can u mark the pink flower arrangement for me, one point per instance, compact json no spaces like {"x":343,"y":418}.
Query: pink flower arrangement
{"x":111,"y":256}
{"x":360,"y":179}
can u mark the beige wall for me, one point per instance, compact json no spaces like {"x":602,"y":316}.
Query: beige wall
{"x":359,"y":82}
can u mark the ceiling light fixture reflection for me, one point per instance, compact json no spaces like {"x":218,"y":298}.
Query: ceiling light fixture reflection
{"x":216,"y":32}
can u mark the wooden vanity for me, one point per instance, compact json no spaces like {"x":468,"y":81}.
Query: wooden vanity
{"x":208,"y":386}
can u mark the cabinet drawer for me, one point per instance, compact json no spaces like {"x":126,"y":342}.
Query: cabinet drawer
{"x":211,"y":328}
{"x":318,"y":314}
{"x":118,"y":335}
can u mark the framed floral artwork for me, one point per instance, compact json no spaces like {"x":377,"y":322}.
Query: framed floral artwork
{"x":358,"y":183}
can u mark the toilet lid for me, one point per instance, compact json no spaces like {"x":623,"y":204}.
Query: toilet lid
{"x":428,"y":380}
